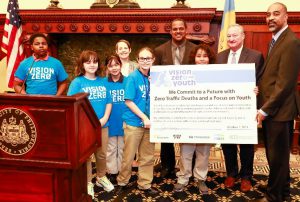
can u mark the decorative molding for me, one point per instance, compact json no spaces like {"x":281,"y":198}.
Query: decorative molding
{"x":180,"y":4}
{"x":113,"y":27}
{"x":86,"y":27}
{"x":54,"y":4}
{"x":154,"y":27}
{"x":35,"y":27}
{"x":60,"y":27}
{"x":140,"y":27}
{"x":73,"y":27}
{"x":114,"y":20}
{"x":197,"y":27}
{"x":48,"y":27}
{"x":255,"y":18}
{"x":167,"y":27}
{"x":126,"y":27}
{"x":199,"y":20}
{"x":99,"y":28}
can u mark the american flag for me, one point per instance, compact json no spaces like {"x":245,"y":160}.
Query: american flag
{"x":12,"y":40}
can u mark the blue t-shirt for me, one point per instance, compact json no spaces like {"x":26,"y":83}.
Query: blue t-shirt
{"x":116,"y":90}
{"x":99,"y":96}
{"x":137,"y":89}
{"x":43,"y":76}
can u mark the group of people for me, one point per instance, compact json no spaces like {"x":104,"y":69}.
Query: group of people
{"x":121,"y":101}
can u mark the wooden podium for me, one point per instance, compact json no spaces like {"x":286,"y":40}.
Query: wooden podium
{"x":44,"y":143}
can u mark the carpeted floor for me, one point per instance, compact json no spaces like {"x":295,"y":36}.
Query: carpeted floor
{"x":216,"y":177}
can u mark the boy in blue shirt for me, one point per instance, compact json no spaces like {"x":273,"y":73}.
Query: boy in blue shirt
{"x":40,"y":74}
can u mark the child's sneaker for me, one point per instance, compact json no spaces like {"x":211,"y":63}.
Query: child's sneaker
{"x":112,"y":178}
{"x":105,"y":183}
{"x":178,"y":187}
{"x":202,"y":187}
{"x":90,"y":189}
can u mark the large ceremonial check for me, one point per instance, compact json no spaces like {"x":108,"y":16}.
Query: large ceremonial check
{"x":203,"y":104}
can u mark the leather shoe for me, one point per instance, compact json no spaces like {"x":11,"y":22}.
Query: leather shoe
{"x":263,"y":187}
{"x":286,"y":198}
{"x":150,"y":191}
{"x":165,"y":172}
{"x":246,"y":185}
{"x":229,"y":182}
{"x":120,"y":189}
{"x":264,"y":199}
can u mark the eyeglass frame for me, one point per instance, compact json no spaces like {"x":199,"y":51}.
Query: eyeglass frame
{"x":142,"y":59}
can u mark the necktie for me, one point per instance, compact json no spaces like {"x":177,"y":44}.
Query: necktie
{"x":233,"y":59}
{"x":177,"y":60}
{"x":271,"y":46}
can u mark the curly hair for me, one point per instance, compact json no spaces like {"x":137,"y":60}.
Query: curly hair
{"x":36,"y":35}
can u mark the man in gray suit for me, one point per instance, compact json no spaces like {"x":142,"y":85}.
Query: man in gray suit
{"x":238,"y":53}
{"x":279,"y":101}
{"x":176,"y":51}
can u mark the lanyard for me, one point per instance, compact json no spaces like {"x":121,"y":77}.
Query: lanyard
{"x":147,"y":88}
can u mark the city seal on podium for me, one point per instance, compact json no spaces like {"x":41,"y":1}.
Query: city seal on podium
{"x":18,"y":132}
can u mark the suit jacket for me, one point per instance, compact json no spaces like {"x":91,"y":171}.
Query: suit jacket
{"x":163,"y":54}
{"x":278,"y":95}
{"x":247,"y":56}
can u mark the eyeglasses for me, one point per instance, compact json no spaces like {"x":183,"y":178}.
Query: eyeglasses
{"x":145,"y":59}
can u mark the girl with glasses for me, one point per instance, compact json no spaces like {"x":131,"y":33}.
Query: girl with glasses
{"x":136,"y":119}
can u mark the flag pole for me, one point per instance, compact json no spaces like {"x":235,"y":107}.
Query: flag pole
{"x":228,"y":19}
{"x":11,"y":45}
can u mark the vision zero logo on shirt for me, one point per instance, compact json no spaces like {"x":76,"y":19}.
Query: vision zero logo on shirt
{"x":143,"y":90}
{"x":96,"y":92}
{"x":39,"y":73}
{"x":117,"y":95}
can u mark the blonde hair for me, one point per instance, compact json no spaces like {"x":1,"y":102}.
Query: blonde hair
{"x":124,"y":41}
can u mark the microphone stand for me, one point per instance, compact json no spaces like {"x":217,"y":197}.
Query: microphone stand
{"x":27,"y":74}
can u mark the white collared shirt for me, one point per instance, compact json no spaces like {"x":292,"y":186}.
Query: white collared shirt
{"x":237,"y":55}
{"x":277,"y":35}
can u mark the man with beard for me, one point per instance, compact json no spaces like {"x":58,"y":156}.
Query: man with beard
{"x":176,"y":51}
{"x":40,"y":74}
{"x":278,"y":101}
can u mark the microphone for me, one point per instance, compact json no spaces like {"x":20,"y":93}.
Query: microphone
{"x":27,"y":74}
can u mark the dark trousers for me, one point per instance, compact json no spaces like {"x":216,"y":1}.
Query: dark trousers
{"x":277,"y":143}
{"x":167,"y":156}
{"x":246,"y":157}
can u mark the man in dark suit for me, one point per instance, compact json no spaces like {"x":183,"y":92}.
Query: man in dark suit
{"x":176,"y":51}
{"x":279,"y":100}
{"x":237,"y":53}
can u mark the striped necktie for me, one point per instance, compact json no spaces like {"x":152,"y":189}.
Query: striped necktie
{"x":177,"y":60}
{"x":233,"y":59}
{"x":271,"y":45}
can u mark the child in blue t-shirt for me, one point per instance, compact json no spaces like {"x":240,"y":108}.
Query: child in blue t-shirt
{"x":116,"y":84}
{"x":88,"y":81}
{"x":40,"y":74}
{"x":136,"y":119}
